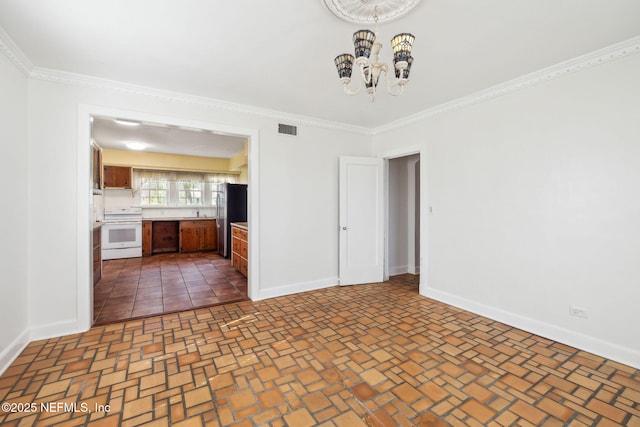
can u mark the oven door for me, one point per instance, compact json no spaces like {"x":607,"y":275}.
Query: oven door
{"x":119,"y":235}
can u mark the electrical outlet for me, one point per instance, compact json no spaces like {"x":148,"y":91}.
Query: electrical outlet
{"x":578,"y":312}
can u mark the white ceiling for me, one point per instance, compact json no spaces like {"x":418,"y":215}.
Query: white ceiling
{"x":279,"y":54}
{"x":162,"y":138}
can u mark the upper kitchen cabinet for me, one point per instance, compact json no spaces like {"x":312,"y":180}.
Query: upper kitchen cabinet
{"x":117,"y":177}
{"x":96,"y":168}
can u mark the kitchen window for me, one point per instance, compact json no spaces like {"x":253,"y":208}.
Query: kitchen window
{"x":174,"y":188}
{"x":154,"y":192}
{"x":213,"y":183}
{"x":189,"y":193}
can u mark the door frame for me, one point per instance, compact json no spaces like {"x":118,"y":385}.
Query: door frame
{"x":84,"y":200}
{"x":393,"y":154}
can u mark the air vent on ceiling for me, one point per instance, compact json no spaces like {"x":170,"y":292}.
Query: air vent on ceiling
{"x":287,"y":129}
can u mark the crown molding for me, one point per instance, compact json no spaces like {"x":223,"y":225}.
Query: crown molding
{"x":580,"y":63}
{"x":599,"y":57}
{"x":14,"y":53}
{"x":17,"y":56}
{"x":73,"y":79}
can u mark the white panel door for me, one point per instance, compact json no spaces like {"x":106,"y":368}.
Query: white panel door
{"x":361,"y":220}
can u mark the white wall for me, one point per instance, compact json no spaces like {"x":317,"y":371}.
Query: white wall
{"x":299,"y":185}
{"x":298,"y":197}
{"x":403,"y":215}
{"x":534,"y":197}
{"x":13,"y":187}
{"x":536,"y":208}
{"x":398,"y":215}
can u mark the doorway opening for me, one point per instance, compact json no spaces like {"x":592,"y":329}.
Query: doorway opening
{"x":87,"y":217}
{"x":402,"y":252}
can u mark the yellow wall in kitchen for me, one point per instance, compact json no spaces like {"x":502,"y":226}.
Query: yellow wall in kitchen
{"x":161,"y":161}
{"x":240,"y":163}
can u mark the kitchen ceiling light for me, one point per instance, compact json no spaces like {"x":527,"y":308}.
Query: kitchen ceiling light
{"x":138,"y":146}
{"x":126,"y":122}
{"x":367,"y":50}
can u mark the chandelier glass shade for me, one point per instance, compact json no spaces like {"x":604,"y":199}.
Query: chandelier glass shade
{"x":366,"y":61}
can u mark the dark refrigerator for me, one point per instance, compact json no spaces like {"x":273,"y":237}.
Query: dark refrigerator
{"x":231,"y":206}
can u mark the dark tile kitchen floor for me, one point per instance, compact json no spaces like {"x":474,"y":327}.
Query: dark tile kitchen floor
{"x":165,"y":283}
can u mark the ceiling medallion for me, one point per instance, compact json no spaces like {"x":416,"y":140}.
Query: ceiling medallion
{"x":363,"y":11}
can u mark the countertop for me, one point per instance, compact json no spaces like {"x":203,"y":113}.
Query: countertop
{"x":244,"y":225}
{"x":99,"y":224}
{"x":180,"y":218}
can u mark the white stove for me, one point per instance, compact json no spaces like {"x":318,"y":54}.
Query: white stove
{"x":122,"y":233}
{"x":122,"y":214}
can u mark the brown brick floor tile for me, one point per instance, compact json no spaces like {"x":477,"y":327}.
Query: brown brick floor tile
{"x":363,"y":391}
{"x":299,"y":418}
{"x":606,"y":410}
{"x":528,"y":412}
{"x":477,"y":410}
{"x":137,"y":407}
{"x":407,"y":393}
{"x":349,"y":419}
{"x":429,"y":419}
{"x":197,"y":396}
{"x":271,"y":398}
{"x":481,"y":394}
{"x":110,"y":421}
{"x":242,"y":399}
{"x":377,"y":355}
{"x":433,"y":391}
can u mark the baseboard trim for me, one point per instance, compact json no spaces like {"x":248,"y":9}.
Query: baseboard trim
{"x":405,"y":269}
{"x":393,"y":271}
{"x":297,"y":288}
{"x":11,"y":353}
{"x":55,"y":330}
{"x":625,"y":355}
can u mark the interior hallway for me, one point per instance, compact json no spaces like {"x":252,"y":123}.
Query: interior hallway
{"x":376,"y":354}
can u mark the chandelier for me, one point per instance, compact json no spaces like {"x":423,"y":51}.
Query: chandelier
{"x":366,"y":59}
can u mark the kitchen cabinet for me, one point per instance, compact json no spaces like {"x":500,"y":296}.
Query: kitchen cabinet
{"x":240,"y":247}
{"x":97,"y":254}
{"x":147,"y":228}
{"x":198,"y":235}
{"x":117,"y":176}
{"x":96,"y":168}
{"x":165,"y":236}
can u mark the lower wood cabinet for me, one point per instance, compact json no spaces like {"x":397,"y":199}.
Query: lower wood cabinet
{"x":162,"y":236}
{"x":240,"y":248}
{"x":198,"y":235}
{"x":165,"y":236}
{"x":97,"y":254}
{"x":147,"y":230}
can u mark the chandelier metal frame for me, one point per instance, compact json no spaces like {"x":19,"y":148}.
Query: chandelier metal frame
{"x":370,"y":69}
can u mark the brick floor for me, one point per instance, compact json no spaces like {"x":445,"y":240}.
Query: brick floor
{"x":366,"y":355}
